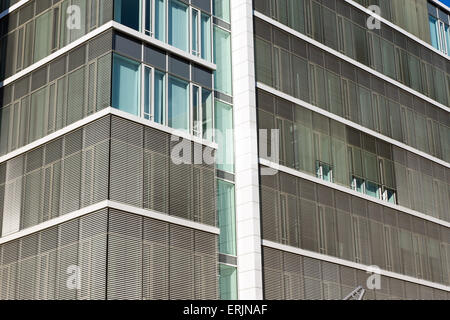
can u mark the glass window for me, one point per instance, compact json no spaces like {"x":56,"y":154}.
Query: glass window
{"x":43,"y":36}
{"x":222,"y":58}
{"x":159,"y":98}
{"x":227,"y":282}
{"x":389,"y":196}
{"x":224,"y":137}
{"x":207,"y":115}
{"x":222,"y":9}
{"x":148,"y":28}
{"x":128,"y":13}
{"x":434,"y":32}
{"x":324,"y":171}
{"x":358,"y":184}
{"x":372,"y":189}
{"x":178,"y":104}
{"x":196,"y":113}
{"x":195,"y":23}
{"x":160,"y":20}
{"x":126,"y":83}
{"x":147,"y":93}
{"x":178,"y":25}
{"x":206,"y":37}
{"x":226,"y":216}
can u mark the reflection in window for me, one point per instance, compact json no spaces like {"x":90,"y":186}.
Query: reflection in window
{"x":223,"y":114}
{"x":126,"y":82}
{"x":206,"y":37}
{"x":148,"y":9}
{"x":128,"y":13}
{"x":178,"y":104}
{"x":159,"y":93}
{"x":207,"y":115}
{"x":227,"y":282}
{"x":147,"y":93}
{"x":160,"y":19}
{"x":178,"y":25}
{"x":196,"y":112}
{"x":226,"y":216}
{"x":195,"y":28}
{"x":222,"y":58}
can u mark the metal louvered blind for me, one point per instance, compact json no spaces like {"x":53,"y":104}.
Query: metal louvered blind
{"x":126,"y":162}
{"x":124,"y":256}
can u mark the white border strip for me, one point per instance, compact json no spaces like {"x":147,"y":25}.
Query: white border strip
{"x":350,"y":264}
{"x":96,"y":116}
{"x":350,"y":60}
{"x":349,"y":123}
{"x":99,"y":30}
{"x":112,"y":205}
{"x":13,"y":8}
{"x":400,"y":29}
{"x":338,"y":187}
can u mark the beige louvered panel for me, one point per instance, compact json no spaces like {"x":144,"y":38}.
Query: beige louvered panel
{"x":313,"y":279}
{"x":126,"y":162}
{"x":32,"y":201}
{"x":397,"y":290}
{"x":292,"y":218}
{"x":28,"y":265}
{"x":272,"y":275}
{"x":330,"y":275}
{"x":294,"y":286}
{"x":91,"y":85}
{"x":155,"y":260}
{"x":411,"y":291}
{"x":76,"y":92}
{"x":308,"y":224}
{"x":93,"y":236}
{"x":180,"y":191}
{"x":10,"y":258}
{"x":156,"y":181}
{"x":348,"y":280}
{"x":13,"y":195}
{"x":100,"y":45}
{"x":426,"y":293}
{"x":270,"y":214}
{"x":67,"y":257}
{"x":181,"y":271}
{"x":207,"y":197}
{"x":104,"y":81}
{"x":106,"y":11}
{"x":71,"y":183}
{"x":206,"y":277}
{"x":48,"y":272}
{"x":124,"y":256}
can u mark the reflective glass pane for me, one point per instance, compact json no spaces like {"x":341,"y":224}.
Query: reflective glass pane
{"x":126,"y":83}
{"x":178,"y":25}
{"x":178,"y":104}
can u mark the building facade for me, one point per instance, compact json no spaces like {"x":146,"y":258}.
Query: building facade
{"x":224,"y":149}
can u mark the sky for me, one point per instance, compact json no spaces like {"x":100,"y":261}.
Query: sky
{"x":446,"y":2}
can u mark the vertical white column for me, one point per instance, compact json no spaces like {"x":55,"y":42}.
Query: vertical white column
{"x":248,"y":225}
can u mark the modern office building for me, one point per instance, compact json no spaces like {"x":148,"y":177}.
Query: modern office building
{"x":224,"y":149}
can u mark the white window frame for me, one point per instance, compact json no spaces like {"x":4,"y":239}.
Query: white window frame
{"x":191,"y":33}
{"x":144,"y":18}
{"x":152,"y":92}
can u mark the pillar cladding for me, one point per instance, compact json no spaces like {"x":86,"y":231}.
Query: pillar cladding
{"x":246,"y":140}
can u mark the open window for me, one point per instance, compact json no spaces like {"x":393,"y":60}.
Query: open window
{"x":324,"y":171}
